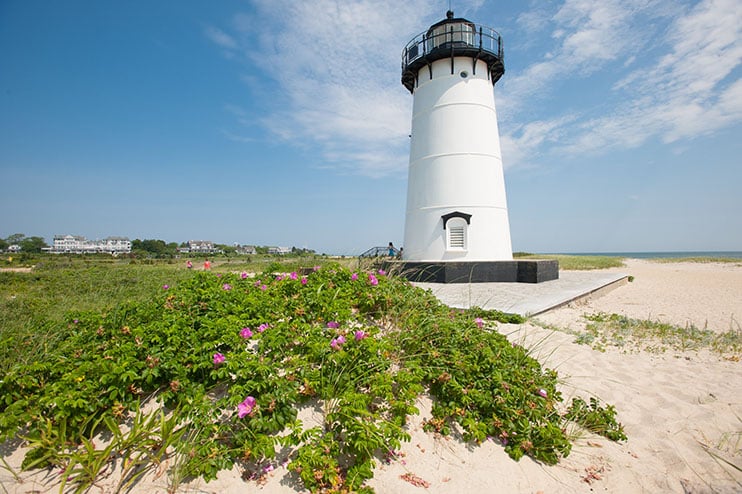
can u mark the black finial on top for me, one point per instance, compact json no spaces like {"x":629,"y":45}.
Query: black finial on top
{"x":449,"y":14}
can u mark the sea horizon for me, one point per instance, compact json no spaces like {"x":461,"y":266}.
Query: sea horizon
{"x":661,"y":254}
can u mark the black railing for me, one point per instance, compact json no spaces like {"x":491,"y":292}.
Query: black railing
{"x":380,"y":252}
{"x":451,"y":39}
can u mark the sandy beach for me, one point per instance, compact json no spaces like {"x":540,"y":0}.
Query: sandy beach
{"x":682,"y":410}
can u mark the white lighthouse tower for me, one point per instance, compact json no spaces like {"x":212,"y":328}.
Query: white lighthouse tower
{"x":457,"y":215}
{"x":456,"y":205}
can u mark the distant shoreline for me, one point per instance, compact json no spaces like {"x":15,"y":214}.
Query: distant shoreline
{"x":661,"y":255}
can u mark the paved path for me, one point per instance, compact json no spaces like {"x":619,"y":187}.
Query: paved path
{"x":526,"y":299}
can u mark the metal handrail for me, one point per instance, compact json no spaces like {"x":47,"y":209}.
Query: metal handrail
{"x":381,"y":251}
{"x":464,"y":34}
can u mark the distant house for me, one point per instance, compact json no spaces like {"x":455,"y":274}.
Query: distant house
{"x":199,"y":247}
{"x":77,"y":244}
{"x":14,"y":248}
{"x":279,"y":250}
{"x":246,"y":250}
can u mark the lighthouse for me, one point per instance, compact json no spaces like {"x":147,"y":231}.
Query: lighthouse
{"x":456,"y":224}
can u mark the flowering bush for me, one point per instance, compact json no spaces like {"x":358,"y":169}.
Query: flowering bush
{"x":247,"y":407}
{"x":320,"y":342}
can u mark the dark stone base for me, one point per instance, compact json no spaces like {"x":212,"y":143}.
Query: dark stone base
{"x":515,"y":271}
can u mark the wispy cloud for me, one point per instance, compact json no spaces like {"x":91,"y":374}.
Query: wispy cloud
{"x":681,"y":83}
{"x":220,"y":38}
{"x":660,"y":70}
{"x":523,"y":143}
{"x":586,"y":35}
{"x":336,"y":63}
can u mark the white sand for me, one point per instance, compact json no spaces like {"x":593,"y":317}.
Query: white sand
{"x":677,"y":408}
{"x":705,"y":295}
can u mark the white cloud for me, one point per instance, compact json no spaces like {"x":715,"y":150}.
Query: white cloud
{"x":664,"y":70}
{"x":237,"y":138}
{"x":587,"y":35}
{"x":682,"y":80}
{"x":523,"y":143}
{"x":336,"y":63}
{"x":220,"y":38}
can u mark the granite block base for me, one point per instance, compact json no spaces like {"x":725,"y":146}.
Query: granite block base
{"x":515,"y":271}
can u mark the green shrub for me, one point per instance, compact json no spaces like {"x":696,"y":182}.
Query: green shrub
{"x":237,"y":357}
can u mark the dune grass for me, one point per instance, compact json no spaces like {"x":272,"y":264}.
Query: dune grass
{"x":702,"y":260}
{"x":628,"y":333}
{"x":580,"y":263}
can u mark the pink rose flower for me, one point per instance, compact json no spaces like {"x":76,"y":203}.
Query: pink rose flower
{"x":338,"y":342}
{"x":247,"y":407}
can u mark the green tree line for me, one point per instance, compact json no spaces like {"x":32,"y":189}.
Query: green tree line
{"x":27,"y":244}
{"x":147,"y":247}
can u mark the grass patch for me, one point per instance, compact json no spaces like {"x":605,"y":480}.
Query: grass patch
{"x":635,"y":334}
{"x":580,"y":263}
{"x":34,"y":306}
{"x":234,"y":358}
{"x":702,"y":260}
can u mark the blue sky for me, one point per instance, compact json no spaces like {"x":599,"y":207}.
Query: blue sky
{"x":284,"y":122}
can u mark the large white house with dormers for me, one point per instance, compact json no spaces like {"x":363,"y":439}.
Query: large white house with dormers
{"x":76,"y":244}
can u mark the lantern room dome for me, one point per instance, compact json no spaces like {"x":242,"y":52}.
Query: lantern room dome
{"x":449,"y":38}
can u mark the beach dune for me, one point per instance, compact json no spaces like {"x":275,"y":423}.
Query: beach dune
{"x":682,"y":410}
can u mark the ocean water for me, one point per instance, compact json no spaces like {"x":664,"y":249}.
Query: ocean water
{"x":663,"y":255}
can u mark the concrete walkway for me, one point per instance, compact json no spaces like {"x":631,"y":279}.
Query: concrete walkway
{"x":526,"y":299}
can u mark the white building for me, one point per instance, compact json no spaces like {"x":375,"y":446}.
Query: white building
{"x":114,"y":245}
{"x":199,"y":247}
{"x":279,"y":250}
{"x":77,"y":244}
{"x":246,"y":249}
{"x":68,"y":244}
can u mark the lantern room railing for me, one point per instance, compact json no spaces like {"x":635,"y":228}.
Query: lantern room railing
{"x":451,"y":39}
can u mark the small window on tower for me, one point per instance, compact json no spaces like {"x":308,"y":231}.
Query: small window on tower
{"x":456,"y":234}
{"x":456,"y":239}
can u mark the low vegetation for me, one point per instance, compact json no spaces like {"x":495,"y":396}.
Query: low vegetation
{"x":226,"y":363}
{"x":570,"y":262}
{"x":615,"y":330}
{"x":726,"y":260}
